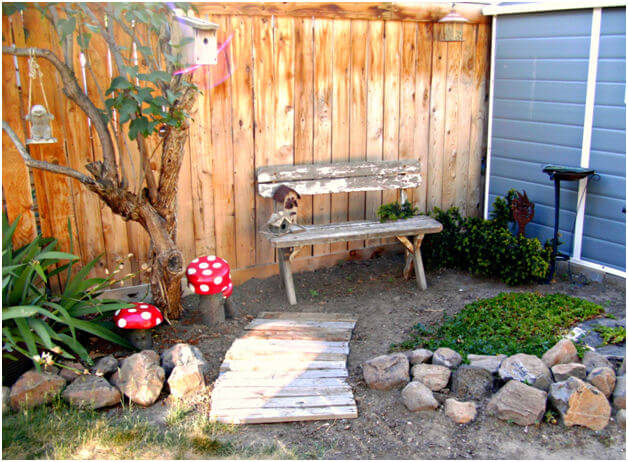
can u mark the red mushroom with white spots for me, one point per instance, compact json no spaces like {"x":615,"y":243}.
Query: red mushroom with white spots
{"x":210,"y":277}
{"x":137,"y":321}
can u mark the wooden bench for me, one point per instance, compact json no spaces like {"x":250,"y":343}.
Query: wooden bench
{"x":312,"y":179}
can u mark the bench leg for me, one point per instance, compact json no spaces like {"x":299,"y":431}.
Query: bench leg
{"x":286,"y":274}
{"x":418,"y":263}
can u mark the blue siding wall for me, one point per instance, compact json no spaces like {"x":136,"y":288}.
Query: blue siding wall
{"x":541,"y":65}
{"x":604,"y":237}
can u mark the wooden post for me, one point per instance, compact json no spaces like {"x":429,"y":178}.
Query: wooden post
{"x":418,"y":263}
{"x":286,"y":274}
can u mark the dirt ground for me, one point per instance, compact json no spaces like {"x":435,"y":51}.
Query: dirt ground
{"x":387,"y":307}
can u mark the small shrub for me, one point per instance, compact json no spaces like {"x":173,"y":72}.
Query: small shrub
{"x":507,"y":324}
{"x":486,"y":247}
{"x":395,"y":211}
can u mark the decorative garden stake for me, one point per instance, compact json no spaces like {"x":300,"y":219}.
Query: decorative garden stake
{"x":210,"y":277}
{"x":138,"y":321}
{"x":522,"y":212}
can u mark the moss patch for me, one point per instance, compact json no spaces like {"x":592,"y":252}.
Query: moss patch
{"x":507,"y":324}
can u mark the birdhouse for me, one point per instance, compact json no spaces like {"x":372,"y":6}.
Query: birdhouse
{"x":202,"y":49}
{"x":450,"y":27}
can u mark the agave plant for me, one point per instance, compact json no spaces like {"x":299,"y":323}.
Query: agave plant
{"x":37,"y":320}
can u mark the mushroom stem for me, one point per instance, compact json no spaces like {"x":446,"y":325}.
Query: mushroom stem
{"x":230,"y":310}
{"x":140,"y":338}
{"x":212,"y":309}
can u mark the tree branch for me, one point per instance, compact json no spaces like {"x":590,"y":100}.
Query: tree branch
{"x":42,"y":165}
{"x":73,"y":91}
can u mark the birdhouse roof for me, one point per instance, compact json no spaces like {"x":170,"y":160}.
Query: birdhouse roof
{"x":282,"y":191}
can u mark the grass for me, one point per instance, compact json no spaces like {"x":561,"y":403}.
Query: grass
{"x":58,"y":431}
{"x":507,"y":324}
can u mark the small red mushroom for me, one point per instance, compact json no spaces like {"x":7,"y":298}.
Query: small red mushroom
{"x":138,"y":320}
{"x":209,"y":276}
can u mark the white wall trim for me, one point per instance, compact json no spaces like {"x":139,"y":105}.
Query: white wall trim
{"x":597,"y":266}
{"x":489,"y":133}
{"x":535,"y":7}
{"x":587,"y":127}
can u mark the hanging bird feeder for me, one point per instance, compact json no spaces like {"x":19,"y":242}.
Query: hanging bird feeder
{"x":450,"y":27}
{"x":39,"y":117}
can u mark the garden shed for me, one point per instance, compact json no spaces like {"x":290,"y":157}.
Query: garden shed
{"x":558,"y":96}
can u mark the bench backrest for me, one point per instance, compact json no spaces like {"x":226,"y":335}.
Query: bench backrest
{"x":311,"y":179}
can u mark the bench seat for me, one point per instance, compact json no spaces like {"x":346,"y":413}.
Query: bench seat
{"x":354,"y":231}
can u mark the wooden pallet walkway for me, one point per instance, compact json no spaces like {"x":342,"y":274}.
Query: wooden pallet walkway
{"x":287,"y":367}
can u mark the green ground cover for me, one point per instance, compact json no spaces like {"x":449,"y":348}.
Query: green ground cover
{"x":507,"y":324}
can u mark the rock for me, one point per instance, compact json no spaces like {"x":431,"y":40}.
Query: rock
{"x":105,"y":366}
{"x":183,"y":354}
{"x":419,"y":356}
{"x":5,"y":399}
{"x":602,"y":378}
{"x":562,"y":353}
{"x":34,"y":388}
{"x":70,"y":370}
{"x":460,"y":412}
{"x":141,"y":378}
{"x":446,"y":357}
{"x":417,"y":397}
{"x":91,"y":391}
{"x":470,"y":382}
{"x":386,"y":371}
{"x":487,"y":362}
{"x":591,"y":360}
{"x":620,"y":417}
{"x":580,"y":403}
{"x":433,"y":376}
{"x":527,"y":369}
{"x":519,"y":403}
{"x":115,"y":379}
{"x":619,"y":394}
{"x":622,"y":368}
{"x":185,"y":379}
{"x":564,"y":371}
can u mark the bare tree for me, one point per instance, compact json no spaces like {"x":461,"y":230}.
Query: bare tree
{"x":154,"y":102}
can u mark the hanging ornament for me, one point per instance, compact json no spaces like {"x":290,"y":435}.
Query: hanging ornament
{"x":38,"y":116}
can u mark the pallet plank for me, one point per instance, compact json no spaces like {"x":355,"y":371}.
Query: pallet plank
{"x":308,"y":316}
{"x":261,"y":364}
{"x":277,"y":392}
{"x":288,"y":382}
{"x":295,"y":374}
{"x":250,"y":416}
{"x":293,"y":402}
{"x":287,"y":324}
{"x":330,"y":335}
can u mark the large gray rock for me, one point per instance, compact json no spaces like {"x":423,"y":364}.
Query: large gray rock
{"x":141,"y":378}
{"x":580,"y":403}
{"x":34,"y":388}
{"x":519,"y":403}
{"x":183,"y":354}
{"x":417,"y":397}
{"x":603,"y":378}
{"x":620,"y":417}
{"x":92,"y":392}
{"x":591,"y":360}
{"x":527,"y":369}
{"x":433,"y":376}
{"x":470,"y":382}
{"x":386,"y":371}
{"x":186,"y":379}
{"x":487,"y":362}
{"x":622,"y":368}
{"x":70,"y":370}
{"x":619,"y":394}
{"x":446,"y":357}
{"x":419,"y":356}
{"x":562,"y":353}
{"x":5,"y":399}
{"x":460,"y":412}
{"x":564,"y":371}
{"x":105,"y":366}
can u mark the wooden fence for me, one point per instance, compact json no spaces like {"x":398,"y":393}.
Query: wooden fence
{"x":300,"y":89}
